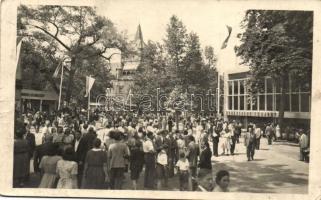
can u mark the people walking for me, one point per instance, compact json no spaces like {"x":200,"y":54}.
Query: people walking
{"x":95,"y":169}
{"x":67,"y":170}
{"x":303,"y":143}
{"x":48,"y":167}
{"x":249,"y":143}
{"x":149,"y":158}
{"x":118,"y":152}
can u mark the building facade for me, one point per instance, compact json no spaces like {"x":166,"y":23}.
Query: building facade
{"x":264,"y":107}
{"x":123,"y":68}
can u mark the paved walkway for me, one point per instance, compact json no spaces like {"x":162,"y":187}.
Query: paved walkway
{"x":275,"y":169}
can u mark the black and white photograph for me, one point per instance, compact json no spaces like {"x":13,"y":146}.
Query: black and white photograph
{"x":135,"y":99}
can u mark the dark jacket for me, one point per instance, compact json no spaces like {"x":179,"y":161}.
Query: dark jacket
{"x":41,"y":151}
{"x":205,"y":159}
{"x":30,"y":137}
{"x":85,"y":144}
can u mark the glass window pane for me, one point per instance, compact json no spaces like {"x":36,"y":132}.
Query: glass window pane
{"x":230,"y":87}
{"x":254,"y":103}
{"x":241,"y":87}
{"x":236,"y":87}
{"x":269,"y":102}
{"x":277,"y":86}
{"x":295,"y":102}
{"x":305,"y":102}
{"x":295,"y":86}
{"x":241,"y":102}
{"x":248,"y":102}
{"x":277,"y":101}
{"x":269,"y":85}
{"x":236,"y":107}
{"x":262,"y":102}
{"x":230,"y":102}
{"x":287,"y":102}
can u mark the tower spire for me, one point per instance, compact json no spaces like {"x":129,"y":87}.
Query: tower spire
{"x":139,"y":38}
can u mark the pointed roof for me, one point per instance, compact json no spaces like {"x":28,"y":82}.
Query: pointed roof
{"x":139,"y":41}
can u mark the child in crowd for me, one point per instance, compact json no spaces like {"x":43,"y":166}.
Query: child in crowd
{"x":183,"y":171}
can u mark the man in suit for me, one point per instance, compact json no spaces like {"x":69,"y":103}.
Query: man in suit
{"x":250,"y":142}
{"x":192,"y":156}
{"x":30,"y":137}
{"x":215,"y":130}
{"x":41,"y":151}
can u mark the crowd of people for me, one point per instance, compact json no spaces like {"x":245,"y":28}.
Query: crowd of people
{"x":69,"y":151}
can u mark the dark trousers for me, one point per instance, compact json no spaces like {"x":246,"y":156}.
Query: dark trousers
{"x":150,"y":171}
{"x":194,"y":175}
{"x":257,"y":144}
{"x":233,"y":144}
{"x":116,"y":178}
{"x":269,"y":139}
{"x":250,"y":149}
{"x":183,"y":180}
{"x":238,"y":137}
{"x":80,"y":174}
{"x":215,"y":146}
{"x":171,"y":164}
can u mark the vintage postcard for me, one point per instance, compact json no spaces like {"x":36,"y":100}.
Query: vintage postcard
{"x":151,"y":99}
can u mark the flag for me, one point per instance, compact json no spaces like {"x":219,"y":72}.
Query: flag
{"x":18,"y":50}
{"x":55,"y":74}
{"x":89,"y":83}
{"x":224,"y":45}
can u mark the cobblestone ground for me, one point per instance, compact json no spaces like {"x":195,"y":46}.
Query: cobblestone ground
{"x":275,"y":169}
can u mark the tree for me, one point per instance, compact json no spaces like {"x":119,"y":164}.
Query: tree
{"x":277,"y":44}
{"x":78,"y":33}
{"x":210,"y":56}
{"x":175,"y":44}
{"x":151,"y":74}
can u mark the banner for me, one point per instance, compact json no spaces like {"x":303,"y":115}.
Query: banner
{"x":89,"y":83}
{"x":18,"y":50}
{"x":224,"y":45}
{"x":55,"y":74}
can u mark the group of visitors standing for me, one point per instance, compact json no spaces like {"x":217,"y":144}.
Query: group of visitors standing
{"x":70,"y":152}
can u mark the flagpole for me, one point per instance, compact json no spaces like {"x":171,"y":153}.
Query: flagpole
{"x":88,"y":99}
{"x":60,"y":87}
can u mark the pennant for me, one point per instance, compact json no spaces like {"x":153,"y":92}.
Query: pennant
{"x":229,"y":29}
{"x":18,"y":50}
{"x":55,"y":74}
{"x":89,"y":83}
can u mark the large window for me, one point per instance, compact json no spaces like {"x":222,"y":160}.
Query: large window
{"x":295,"y":100}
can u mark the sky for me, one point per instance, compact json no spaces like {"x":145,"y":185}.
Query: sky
{"x":205,"y":17}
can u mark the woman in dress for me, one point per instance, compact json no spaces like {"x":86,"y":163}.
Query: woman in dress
{"x":136,"y":159}
{"x":48,"y":166}
{"x":222,"y":181}
{"x":67,"y":170}
{"x":225,"y":135}
{"x":21,"y":159}
{"x":95,"y":169}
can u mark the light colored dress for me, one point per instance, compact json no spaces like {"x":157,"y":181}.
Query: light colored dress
{"x":49,"y":165}
{"x":225,"y":140}
{"x":66,"y":170}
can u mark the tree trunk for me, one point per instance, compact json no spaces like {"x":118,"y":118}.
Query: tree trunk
{"x":282,"y":102}
{"x":70,"y":80}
